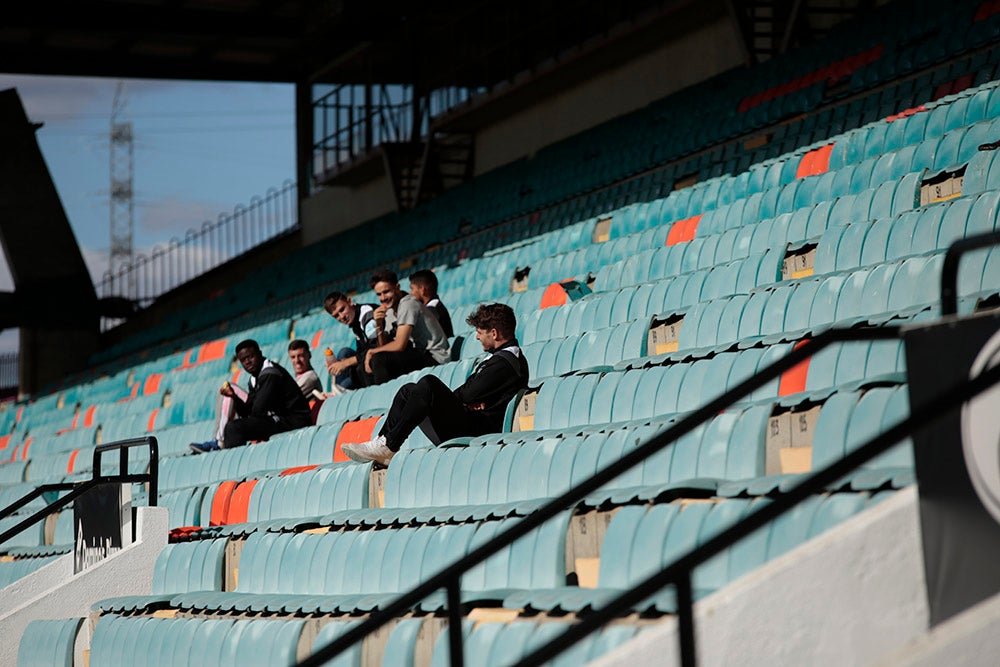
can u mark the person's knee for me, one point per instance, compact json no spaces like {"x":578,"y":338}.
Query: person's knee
{"x":431,"y":384}
{"x":345,"y":353}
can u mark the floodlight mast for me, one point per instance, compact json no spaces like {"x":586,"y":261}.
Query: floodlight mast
{"x":121,"y":200}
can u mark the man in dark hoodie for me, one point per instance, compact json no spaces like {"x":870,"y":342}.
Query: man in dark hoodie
{"x":274,"y":402}
{"x":475,"y":408}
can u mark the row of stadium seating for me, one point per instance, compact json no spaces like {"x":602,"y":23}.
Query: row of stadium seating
{"x":289,"y":528}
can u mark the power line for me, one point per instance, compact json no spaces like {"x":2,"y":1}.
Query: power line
{"x":174,"y":114}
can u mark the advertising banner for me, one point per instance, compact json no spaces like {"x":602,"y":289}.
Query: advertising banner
{"x":957,"y":462}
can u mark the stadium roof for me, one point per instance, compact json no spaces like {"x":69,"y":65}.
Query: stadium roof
{"x":340,"y":41}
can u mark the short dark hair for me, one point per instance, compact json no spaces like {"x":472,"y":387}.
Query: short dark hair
{"x":384,"y":276}
{"x":497,"y":316}
{"x":332,"y":299}
{"x":298,"y":344}
{"x":426,"y":278}
{"x":249,"y":343}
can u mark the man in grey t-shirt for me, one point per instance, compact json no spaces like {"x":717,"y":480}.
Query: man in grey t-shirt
{"x":417,"y":341}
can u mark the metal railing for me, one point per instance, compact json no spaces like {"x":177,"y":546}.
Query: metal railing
{"x":77,"y":489}
{"x":679,"y":572}
{"x":351,"y":120}
{"x":214,"y":243}
{"x":9,"y":377}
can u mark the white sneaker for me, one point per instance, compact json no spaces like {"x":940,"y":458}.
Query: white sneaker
{"x":373,"y":450}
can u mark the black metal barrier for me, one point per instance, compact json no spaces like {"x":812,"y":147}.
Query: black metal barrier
{"x":77,"y":489}
{"x":449,"y":578}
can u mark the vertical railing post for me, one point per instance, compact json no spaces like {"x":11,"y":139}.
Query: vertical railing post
{"x":455,"y":649}
{"x":685,"y":620}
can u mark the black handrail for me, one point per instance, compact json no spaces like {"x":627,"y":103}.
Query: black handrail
{"x":679,"y":572}
{"x":949,"y":269}
{"x":77,"y":489}
{"x":450,"y":575}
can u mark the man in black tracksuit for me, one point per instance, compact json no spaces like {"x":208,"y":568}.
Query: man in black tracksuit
{"x":475,"y":408}
{"x":274,"y":402}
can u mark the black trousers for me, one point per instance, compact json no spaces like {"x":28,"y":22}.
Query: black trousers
{"x":429,"y":404}
{"x":390,"y":365}
{"x":240,"y":431}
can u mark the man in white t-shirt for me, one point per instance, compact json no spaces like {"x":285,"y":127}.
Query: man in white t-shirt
{"x":305,"y":376}
{"x":417,"y":339}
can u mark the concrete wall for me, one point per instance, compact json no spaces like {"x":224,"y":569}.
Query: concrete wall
{"x":54,"y":592}
{"x":696,"y":56}
{"x":335,"y":209}
{"x":969,"y":638}
{"x":845,"y":598}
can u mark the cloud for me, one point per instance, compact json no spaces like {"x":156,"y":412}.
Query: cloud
{"x":173,"y":216}
{"x":64,"y":99}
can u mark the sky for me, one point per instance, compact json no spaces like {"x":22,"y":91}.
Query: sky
{"x":201,"y":148}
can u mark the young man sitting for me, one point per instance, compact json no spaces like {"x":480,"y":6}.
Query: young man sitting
{"x":347,"y":368}
{"x":305,"y":376}
{"x":475,"y":408}
{"x":273,"y":404}
{"x":417,"y":340}
{"x":424,"y":288}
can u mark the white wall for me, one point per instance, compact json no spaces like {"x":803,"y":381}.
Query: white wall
{"x":693,"y":57}
{"x":845,"y":598}
{"x":54,"y":592}
{"x":969,"y":638}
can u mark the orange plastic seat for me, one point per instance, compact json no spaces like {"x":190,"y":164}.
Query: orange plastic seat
{"x":220,"y":503}
{"x":554,"y":295}
{"x":212,"y":350}
{"x":239,"y":504}
{"x":356,"y":431}
{"x":683,"y":231}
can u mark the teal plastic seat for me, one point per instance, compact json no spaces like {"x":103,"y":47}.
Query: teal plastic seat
{"x":877,"y":287}
{"x":977,"y":171}
{"x":926,"y":154}
{"x":829,"y":441}
{"x":773,"y":318}
{"x":658,"y":391}
{"x":819,"y":218}
{"x":841,"y":186}
{"x":792,"y":528}
{"x":984,"y":213}
{"x":750,"y":317}
{"x":48,"y":643}
{"x":895,"y":409}
{"x":851,"y":303}
{"x":352,"y":656}
{"x":866,"y":420}
{"x":834,"y":510}
{"x":954,"y":223}
{"x":713,"y":574}
{"x":842,"y":209}
{"x":917,"y":283}
{"x":861,"y":179}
